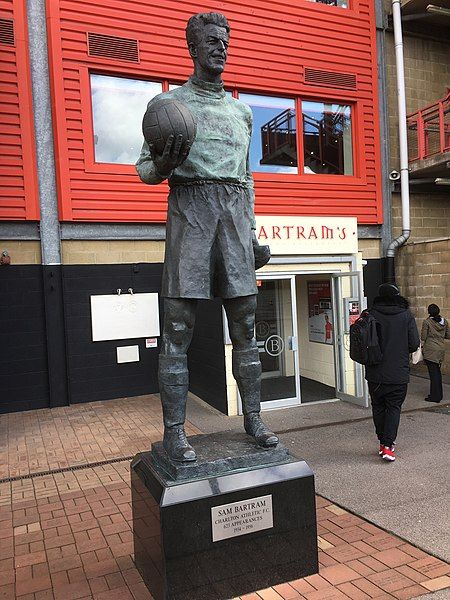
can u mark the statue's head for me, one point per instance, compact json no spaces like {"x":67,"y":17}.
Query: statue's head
{"x":207,"y":36}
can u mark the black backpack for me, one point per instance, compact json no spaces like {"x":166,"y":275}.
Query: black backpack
{"x":365,"y":340}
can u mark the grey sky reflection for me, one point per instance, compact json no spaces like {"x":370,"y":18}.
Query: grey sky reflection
{"x":118,"y":105}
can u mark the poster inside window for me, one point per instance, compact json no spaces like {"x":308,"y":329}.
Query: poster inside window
{"x":320,"y":312}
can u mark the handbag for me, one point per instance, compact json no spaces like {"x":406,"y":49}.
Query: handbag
{"x":416,"y":356}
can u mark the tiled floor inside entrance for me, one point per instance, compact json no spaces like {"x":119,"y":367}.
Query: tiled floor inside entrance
{"x":67,"y":535}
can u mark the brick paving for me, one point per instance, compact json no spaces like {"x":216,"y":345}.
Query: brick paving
{"x":48,"y":439}
{"x":68,"y":535}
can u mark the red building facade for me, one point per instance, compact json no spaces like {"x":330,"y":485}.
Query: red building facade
{"x":19,"y":199}
{"x":307,"y":53}
{"x":307,"y":69}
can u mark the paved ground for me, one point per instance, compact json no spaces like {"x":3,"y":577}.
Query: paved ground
{"x":409,"y":497}
{"x":68,"y":534}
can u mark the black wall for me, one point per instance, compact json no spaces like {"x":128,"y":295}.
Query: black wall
{"x":373,"y":277}
{"x":206,"y":356}
{"x":92,"y":366}
{"x":23,"y":348}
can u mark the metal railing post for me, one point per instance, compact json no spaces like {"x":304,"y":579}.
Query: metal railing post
{"x":441,"y":127}
{"x":420,"y":136}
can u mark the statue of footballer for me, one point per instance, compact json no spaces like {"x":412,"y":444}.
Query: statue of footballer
{"x":198,"y":138}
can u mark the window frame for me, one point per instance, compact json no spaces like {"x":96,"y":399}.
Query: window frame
{"x":293,"y":97}
{"x":352,"y":7}
{"x":352,"y":106}
{"x":87,"y":115}
{"x":93,"y":167}
{"x":301,"y":177}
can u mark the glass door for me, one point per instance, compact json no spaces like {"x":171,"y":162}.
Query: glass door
{"x":348,"y":302}
{"x":276,"y":336}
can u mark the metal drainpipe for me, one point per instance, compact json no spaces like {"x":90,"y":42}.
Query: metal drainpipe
{"x":403,"y":140}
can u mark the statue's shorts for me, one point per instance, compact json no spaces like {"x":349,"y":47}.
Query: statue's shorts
{"x":209,"y":251}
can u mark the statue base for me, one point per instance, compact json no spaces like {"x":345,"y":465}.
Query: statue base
{"x":239,"y":519}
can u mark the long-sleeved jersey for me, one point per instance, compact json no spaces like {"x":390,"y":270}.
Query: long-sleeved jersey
{"x":220,"y":150}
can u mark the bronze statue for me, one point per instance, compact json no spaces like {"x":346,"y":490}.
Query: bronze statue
{"x":211,"y":244}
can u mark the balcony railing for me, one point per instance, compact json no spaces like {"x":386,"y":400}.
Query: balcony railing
{"x":278,"y":140}
{"x":429,"y":130}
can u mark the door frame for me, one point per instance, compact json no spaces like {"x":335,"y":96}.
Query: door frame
{"x":361,"y":397}
{"x":293,"y":401}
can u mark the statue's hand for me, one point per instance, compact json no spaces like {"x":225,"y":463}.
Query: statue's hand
{"x":262,"y":253}
{"x":175,"y":152}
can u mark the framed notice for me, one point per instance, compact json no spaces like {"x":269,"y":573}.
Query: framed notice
{"x":124,"y":316}
{"x":320,"y":312}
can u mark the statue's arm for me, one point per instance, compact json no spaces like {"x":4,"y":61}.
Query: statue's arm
{"x":146,"y":167}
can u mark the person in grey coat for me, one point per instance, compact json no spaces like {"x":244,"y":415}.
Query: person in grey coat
{"x":435,"y":329}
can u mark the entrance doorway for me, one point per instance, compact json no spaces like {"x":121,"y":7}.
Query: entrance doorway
{"x":276,"y":336}
{"x":348,"y":303}
{"x":302,"y":332}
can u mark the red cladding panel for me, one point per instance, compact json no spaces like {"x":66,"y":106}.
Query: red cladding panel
{"x":273,"y":43}
{"x":18,"y":181}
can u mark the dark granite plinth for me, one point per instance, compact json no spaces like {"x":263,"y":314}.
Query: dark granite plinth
{"x":173,"y":524}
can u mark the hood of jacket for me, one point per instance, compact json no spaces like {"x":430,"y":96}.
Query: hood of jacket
{"x":435,"y":325}
{"x":392,"y":305}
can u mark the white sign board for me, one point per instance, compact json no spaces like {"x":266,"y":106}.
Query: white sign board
{"x":124,"y":316}
{"x":308,"y":235}
{"x":239,"y":518}
{"x":126,"y":354}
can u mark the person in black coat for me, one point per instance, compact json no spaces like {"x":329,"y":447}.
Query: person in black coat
{"x":388,"y":381}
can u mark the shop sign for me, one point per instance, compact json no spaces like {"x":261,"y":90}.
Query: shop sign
{"x":308,"y":235}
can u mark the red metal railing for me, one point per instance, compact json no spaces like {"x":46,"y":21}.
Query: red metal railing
{"x":429,"y":130}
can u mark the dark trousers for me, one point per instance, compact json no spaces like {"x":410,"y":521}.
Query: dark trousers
{"x":387,"y":400}
{"x":434,"y":369}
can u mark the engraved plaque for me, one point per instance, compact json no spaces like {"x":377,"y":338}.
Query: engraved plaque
{"x":239,"y":518}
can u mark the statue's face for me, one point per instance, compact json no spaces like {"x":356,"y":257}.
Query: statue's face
{"x":211,"y":50}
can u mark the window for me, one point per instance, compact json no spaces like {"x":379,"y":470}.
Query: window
{"x":327,"y":138}
{"x":273,"y":147}
{"x":118,"y":105}
{"x":341,"y":3}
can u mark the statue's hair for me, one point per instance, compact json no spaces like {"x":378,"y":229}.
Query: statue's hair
{"x":198,"y":21}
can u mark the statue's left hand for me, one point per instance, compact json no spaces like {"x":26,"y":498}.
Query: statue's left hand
{"x":262,"y":253}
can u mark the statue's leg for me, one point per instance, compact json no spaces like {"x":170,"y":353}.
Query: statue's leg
{"x":179,"y":320}
{"x":247,"y":366}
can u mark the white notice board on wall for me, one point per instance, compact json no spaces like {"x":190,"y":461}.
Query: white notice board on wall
{"x":124,"y":316}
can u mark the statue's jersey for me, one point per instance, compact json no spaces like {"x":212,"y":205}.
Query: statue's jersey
{"x":220,"y":149}
{"x":210,"y":214}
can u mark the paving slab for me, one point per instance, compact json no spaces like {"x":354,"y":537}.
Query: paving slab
{"x":441,"y":595}
{"x":65,"y":505}
{"x":307,"y":415}
{"x":410,"y":497}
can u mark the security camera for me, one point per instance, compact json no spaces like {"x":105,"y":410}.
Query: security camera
{"x":394,"y":175}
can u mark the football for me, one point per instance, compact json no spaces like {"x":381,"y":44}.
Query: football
{"x":167,"y":117}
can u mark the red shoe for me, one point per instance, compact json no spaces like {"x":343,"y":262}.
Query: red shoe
{"x":388,"y":453}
